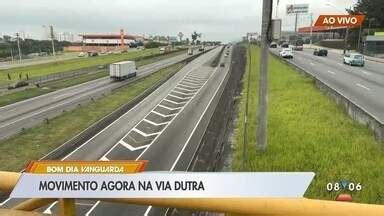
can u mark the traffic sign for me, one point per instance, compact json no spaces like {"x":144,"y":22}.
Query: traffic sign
{"x":340,"y":20}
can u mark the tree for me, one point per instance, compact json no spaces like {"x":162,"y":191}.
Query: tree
{"x":373,"y":11}
{"x":194,"y":36}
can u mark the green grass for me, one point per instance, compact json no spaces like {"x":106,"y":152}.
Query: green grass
{"x":307,"y":131}
{"x":22,"y":95}
{"x":33,"y":143}
{"x":69,"y":65}
{"x":60,"y":84}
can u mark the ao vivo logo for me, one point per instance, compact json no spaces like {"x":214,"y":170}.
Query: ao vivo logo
{"x":340,"y":20}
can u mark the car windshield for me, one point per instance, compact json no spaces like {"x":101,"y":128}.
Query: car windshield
{"x":358,"y":57}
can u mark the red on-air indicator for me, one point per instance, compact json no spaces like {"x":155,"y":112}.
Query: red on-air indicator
{"x":344,"y":198}
{"x":340,"y":20}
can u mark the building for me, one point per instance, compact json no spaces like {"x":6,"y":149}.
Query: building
{"x":373,"y":45}
{"x":105,"y":42}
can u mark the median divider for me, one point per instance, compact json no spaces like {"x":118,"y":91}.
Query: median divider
{"x":355,"y":111}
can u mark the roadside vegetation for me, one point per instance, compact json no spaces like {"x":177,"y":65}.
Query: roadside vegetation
{"x":31,"y":92}
{"x":69,"y":65}
{"x":307,"y":131}
{"x":34,"y":143}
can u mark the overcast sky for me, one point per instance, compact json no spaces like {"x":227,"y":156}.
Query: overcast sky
{"x":224,"y":20}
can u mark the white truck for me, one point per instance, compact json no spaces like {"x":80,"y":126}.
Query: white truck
{"x":190,"y":51}
{"x":122,"y":70}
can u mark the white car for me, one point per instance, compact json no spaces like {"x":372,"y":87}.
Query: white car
{"x":286,"y":53}
{"x":354,"y":59}
{"x":82,"y":54}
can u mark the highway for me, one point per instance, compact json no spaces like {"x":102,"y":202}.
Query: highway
{"x":30,"y":112}
{"x":165,"y":128}
{"x":363,"y":85}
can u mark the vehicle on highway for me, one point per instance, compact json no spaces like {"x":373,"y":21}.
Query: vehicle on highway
{"x":286,"y":53}
{"x":354,"y":59}
{"x":320,"y":52}
{"x":284,"y":45}
{"x":222,"y":64}
{"x":92,"y":54}
{"x":298,"y":45}
{"x":201,"y":48}
{"x":273,"y":45}
{"x":82,"y":54}
{"x":122,"y":70}
{"x":190,"y":51}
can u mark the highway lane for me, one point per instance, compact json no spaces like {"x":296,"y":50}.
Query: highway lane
{"x":363,"y":85}
{"x":28,"y":113}
{"x":106,"y":145}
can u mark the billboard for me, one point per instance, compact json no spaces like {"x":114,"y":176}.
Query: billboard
{"x":340,"y":20}
{"x":297,"y":9}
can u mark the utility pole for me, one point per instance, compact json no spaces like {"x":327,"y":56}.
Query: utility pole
{"x":53,"y":40}
{"x":18,"y":45}
{"x":261,"y":130}
{"x":346,"y":40}
{"x":311,"y":34}
{"x":358,"y":42}
{"x":277,"y":8}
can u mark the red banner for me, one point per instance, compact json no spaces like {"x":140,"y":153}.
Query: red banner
{"x":340,"y":20}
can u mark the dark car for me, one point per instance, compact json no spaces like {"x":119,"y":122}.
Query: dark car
{"x":222,"y":65}
{"x":320,"y":52}
{"x":285,"y":45}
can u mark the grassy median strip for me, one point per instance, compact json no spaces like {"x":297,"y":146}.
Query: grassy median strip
{"x":307,"y":131}
{"x":69,"y":65}
{"x":33,"y":143}
{"x":48,"y":87}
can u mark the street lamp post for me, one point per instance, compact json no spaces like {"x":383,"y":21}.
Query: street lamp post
{"x":311,"y":33}
{"x":18,"y":45}
{"x":346,"y":31}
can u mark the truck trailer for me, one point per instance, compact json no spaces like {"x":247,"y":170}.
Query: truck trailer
{"x":122,"y":70}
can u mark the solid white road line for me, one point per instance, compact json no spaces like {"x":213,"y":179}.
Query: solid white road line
{"x":172,"y":95}
{"x":143,"y":133}
{"x":93,"y":207}
{"x":363,"y":86}
{"x":131,"y":148}
{"x":174,"y":102}
{"x":168,"y":108}
{"x":162,"y":115}
{"x":188,"y":94}
{"x":154,"y":123}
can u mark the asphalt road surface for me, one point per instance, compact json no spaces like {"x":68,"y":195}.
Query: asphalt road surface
{"x":165,"y":128}
{"x":30,"y":112}
{"x":363,"y":85}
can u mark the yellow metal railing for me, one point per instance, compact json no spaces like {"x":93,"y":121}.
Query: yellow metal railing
{"x":249,"y":206}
